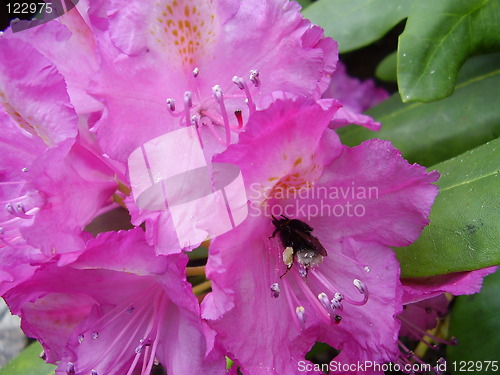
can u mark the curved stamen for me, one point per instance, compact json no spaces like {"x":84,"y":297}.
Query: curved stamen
{"x":254,"y":77}
{"x":18,"y":211}
{"x":238,"y":81}
{"x":217,"y":91}
{"x":170,"y":104}
{"x":196,"y":71}
{"x":171,"y":108}
{"x":188,"y":103}
{"x":21,"y":212}
{"x":362,"y":289}
{"x":195,"y":123}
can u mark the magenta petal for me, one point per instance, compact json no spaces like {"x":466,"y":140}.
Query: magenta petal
{"x":34,"y":94}
{"x":366,"y":181}
{"x":75,"y":185}
{"x":69,"y":44}
{"x":345,"y":116}
{"x":355,"y":95}
{"x":457,"y":283}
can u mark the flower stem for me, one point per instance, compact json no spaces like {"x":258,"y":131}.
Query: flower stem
{"x":195,"y":271}
{"x":202,"y":287}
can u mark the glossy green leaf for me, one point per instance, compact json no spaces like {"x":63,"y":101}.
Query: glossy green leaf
{"x":439,"y":36}
{"x":28,"y":363}
{"x":464,"y":233}
{"x":428,"y":133}
{"x":386,"y":70}
{"x":357,"y":23}
{"x":474,"y":322}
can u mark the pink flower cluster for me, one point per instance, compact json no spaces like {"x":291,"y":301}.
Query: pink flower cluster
{"x":261,"y":87}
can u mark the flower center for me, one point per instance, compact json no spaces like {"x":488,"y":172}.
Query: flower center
{"x":310,"y":292}
{"x":214,"y":112}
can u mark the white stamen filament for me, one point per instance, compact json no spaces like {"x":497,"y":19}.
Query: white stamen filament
{"x":217,"y":91}
{"x":243,"y":86}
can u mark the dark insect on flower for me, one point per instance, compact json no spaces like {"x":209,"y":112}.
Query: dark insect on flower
{"x":299,"y":243}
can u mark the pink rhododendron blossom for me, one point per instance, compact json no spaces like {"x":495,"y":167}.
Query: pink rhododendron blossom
{"x":356,"y":97}
{"x":294,"y":166}
{"x":122,"y":308}
{"x":207,"y":59}
{"x":213,"y":62}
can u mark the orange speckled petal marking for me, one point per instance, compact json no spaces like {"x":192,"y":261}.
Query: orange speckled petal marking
{"x":184,"y":28}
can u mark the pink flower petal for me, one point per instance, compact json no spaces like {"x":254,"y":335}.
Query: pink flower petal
{"x":34,"y":94}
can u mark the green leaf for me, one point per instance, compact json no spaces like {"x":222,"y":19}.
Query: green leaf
{"x":28,"y":363}
{"x":439,"y":36}
{"x":357,"y":23}
{"x":433,"y":132}
{"x":475,"y":324}
{"x":386,"y":70}
{"x":304,"y":3}
{"x":464,"y":232}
